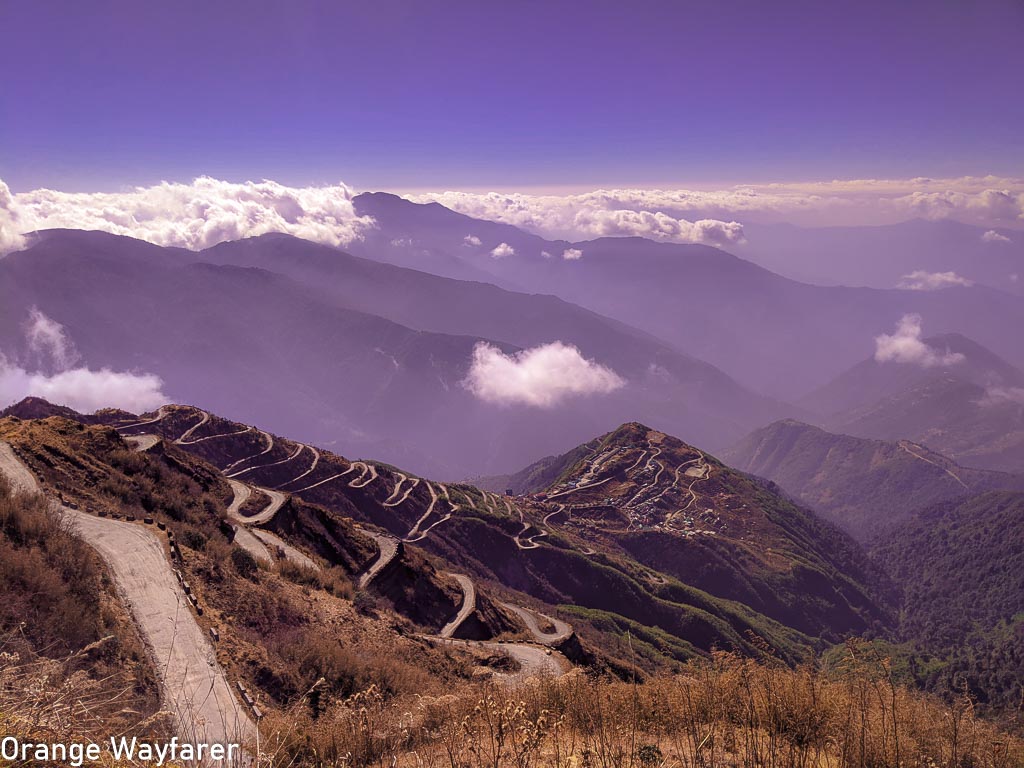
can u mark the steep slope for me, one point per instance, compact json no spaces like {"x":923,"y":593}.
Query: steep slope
{"x":684,"y":513}
{"x":970,"y":409}
{"x":382,"y":387}
{"x":779,"y":336}
{"x":863,"y":486}
{"x":960,"y":564}
{"x":741,"y":562}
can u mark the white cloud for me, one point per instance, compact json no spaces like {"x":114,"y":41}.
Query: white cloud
{"x":545,"y":254}
{"x":572,"y":254}
{"x":196,"y":215}
{"x":906,"y":346}
{"x":995,"y":396}
{"x":991,"y":236}
{"x":52,"y":377}
{"x":471,"y":240}
{"x":84,"y":390}
{"x":933,"y":281}
{"x":710,"y":215}
{"x":11,"y":229}
{"x":48,"y":342}
{"x":542,"y":376}
{"x":502,"y":250}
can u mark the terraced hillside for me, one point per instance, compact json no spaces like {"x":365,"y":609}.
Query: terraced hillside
{"x":279,"y":620}
{"x":864,"y":486}
{"x":639,"y":531}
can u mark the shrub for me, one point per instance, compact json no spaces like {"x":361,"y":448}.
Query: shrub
{"x":245,"y":564}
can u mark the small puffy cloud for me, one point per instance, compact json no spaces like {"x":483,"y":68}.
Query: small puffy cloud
{"x":572,"y":254}
{"x":906,"y":346}
{"x":542,"y":376}
{"x":545,"y":254}
{"x":196,"y":215}
{"x":991,"y":236}
{"x":502,"y":250}
{"x":50,"y":375}
{"x":48,"y":341}
{"x":471,"y":240}
{"x":933,"y":281}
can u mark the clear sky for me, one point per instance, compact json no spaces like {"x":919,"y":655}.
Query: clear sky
{"x":386,"y":94}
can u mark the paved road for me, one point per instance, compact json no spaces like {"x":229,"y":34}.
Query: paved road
{"x":388,"y":546}
{"x":195,"y":688}
{"x":142,"y":442}
{"x":561,"y":632}
{"x":265,"y":515}
{"x":468,"y":604}
{"x":290,"y":552}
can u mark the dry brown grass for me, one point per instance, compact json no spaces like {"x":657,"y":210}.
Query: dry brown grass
{"x":725,"y":711}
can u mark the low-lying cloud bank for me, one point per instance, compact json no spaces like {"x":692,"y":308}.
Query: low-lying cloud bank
{"x":50,"y":373}
{"x":542,"y":376}
{"x":712,"y":215}
{"x":208,"y":211}
{"x":922,"y":280}
{"x":196,"y":215}
{"x":906,"y":346}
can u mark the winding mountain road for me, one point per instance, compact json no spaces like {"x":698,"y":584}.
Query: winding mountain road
{"x":561,"y":630}
{"x":388,"y":546}
{"x":467,"y":607}
{"x":195,"y":689}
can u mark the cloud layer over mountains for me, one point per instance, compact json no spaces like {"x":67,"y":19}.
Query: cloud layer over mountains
{"x":208,"y":211}
{"x":197,"y":215}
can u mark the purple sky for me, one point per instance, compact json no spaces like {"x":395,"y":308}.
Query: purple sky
{"x":408,"y":95}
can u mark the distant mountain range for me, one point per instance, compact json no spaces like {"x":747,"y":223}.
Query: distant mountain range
{"x":866,"y":487}
{"x":967,"y":404}
{"x":335,"y":348}
{"x":776,"y":335}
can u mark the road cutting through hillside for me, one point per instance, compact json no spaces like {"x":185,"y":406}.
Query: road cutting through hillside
{"x":195,"y":689}
{"x":142,"y":442}
{"x":906,"y":447}
{"x":532,"y":661}
{"x":467,"y":607}
{"x":351,"y":468}
{"x":270,"y":446}
{"x":415,"y":534}
{"x":412,"y":486}
{"x":287,"y":551}
{"x":561,"y":632}
{"x":187,"y":434}
{"x":243,"y":536}
{"x":369,"y":472}
{"x":241,"y":472}
{"x":161,"y":414}
{"x":388,"y":546}
{"x":311,"y":470}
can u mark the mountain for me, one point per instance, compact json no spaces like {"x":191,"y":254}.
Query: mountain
{"x":682,"y":512}
{"x":647,"y":531}
{"x":864,"y":486}
{"x":295,"y":630}
{"x":882,"y":256}
{"x":329,"y":347}
{"x":960,"y":564}
{"x":773,"y":334}
{"x":968,"y":406}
